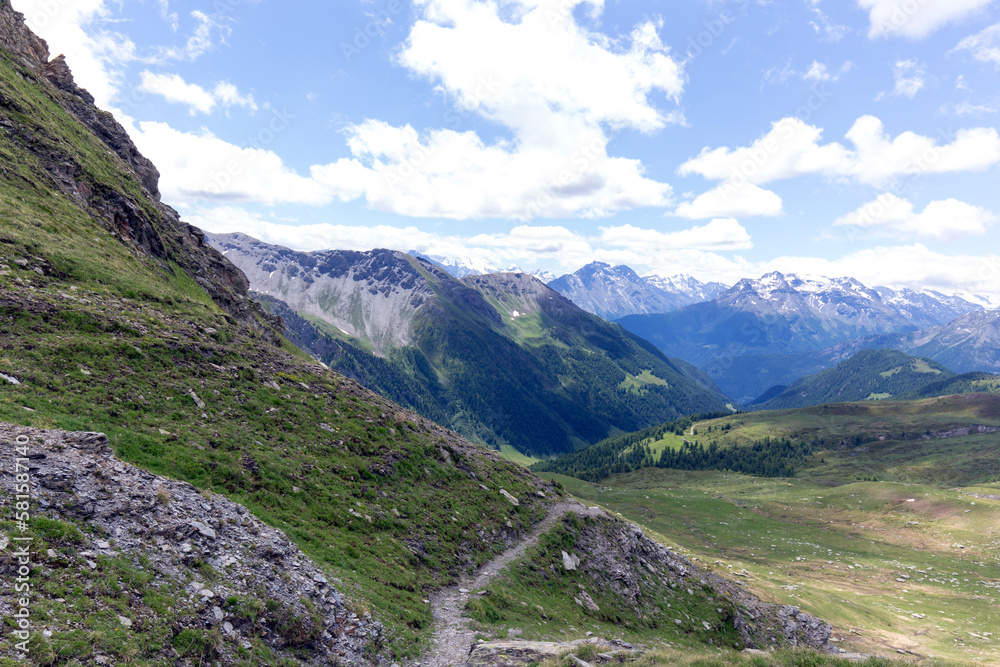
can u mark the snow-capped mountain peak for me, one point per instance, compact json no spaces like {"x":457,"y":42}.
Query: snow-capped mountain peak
{"x":616,"y":291}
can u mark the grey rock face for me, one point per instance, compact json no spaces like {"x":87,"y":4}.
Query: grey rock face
{"x":177,"y":530}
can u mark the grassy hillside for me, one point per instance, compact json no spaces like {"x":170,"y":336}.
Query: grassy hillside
{"x":868,"y":375}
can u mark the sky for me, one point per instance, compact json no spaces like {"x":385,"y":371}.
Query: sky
{"x":718,"y":138}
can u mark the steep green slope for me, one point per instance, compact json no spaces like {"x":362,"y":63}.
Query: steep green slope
{"x":868,"y":375}
{"x":109,"y":324}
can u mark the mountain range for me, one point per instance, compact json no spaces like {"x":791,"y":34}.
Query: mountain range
{"x":500,"y":357}
{"x":613,"y":292}
{"x":773,"y":330}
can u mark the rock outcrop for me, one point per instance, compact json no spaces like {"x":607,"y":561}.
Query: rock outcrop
{"x":230,"y":583}
{"x":624,"y":565}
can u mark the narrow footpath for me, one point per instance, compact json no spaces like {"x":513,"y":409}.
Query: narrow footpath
{"x":452,"y":637}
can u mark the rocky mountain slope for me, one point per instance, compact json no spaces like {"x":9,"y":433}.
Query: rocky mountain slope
{"x":500,"y":357}
{"x":760,"y":332}
{"x":163,"y":570}
{"x":613,"y":292}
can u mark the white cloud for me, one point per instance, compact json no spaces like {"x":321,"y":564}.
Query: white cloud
{"x":719,"y":234}
{"x":732,"y":198}
{"x":175,"y":90}
{"x":909,"y":76}
{"x":529,"y":245}
{"x":968,"y":109}
{"x":822,"y":24}
{"x":819,"y":72}
{"x":544,"y":62}
{"x":915,"y":19}
{"x":792,"y":148}
{"x":984,"y":45}
{"x":198,"y":167}
{"x":647,"y":251}
{"x":555,"y":86}
{"x":227,"y":95}
{"x":914,"y":266}
{"x":71,"y":27}
{"x":944,"y":220}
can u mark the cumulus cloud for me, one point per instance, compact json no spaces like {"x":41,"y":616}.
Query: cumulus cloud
{"x":199,"y":167}
{"x":76,"y":28}
{"x":732,"y":198}
{"x":793,"y":148}
{"x":944,"y":220}
{"x":984,"y":46}
{"x":915,"y":19}
{"x":174,"y":89}
{"x":558,"y":88}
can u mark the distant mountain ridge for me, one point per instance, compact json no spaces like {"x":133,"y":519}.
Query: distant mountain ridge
{"x":775,"y":329}
{"x":613,"y":292}
{"x":499,"y":357}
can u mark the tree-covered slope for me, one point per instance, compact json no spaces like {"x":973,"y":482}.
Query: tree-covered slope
{"x":949,"y":440}
{"x":500,"y":358}
{"x":868,"y":375}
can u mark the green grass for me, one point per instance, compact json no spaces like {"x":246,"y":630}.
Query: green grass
{"x":515,"y":456}
{"x":638,"y":383}
{"x":297,"y":456}
{"x":921,"y":366}
{"x":836,"y":551}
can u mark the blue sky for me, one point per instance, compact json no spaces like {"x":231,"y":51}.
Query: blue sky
{"x":721,"y":139}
